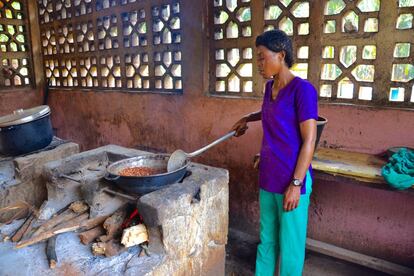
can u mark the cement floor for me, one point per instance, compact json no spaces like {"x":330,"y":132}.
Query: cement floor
{"x":241,"y":256}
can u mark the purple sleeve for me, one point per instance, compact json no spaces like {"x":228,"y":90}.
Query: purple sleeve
{"x":306,"y":102}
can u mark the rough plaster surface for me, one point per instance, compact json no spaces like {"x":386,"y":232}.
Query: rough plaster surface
{"x":200,"y":206}
{"x":89,"y":167}
{"x":21,"y":178}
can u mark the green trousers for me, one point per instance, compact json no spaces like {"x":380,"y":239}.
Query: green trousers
{"x":282,"y":234}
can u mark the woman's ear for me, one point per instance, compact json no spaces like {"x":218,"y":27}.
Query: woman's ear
{"x":282,"y":55}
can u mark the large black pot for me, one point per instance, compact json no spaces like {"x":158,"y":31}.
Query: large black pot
{"x":141,"y":185}
{"x":25,"y":131}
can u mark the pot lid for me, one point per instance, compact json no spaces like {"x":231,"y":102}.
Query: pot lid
{"x":21,"y":116}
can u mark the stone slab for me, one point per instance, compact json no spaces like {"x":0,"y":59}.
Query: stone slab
{"x":23,"y":176}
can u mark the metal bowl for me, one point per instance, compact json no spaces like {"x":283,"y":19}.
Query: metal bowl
{"x":145,"y":184}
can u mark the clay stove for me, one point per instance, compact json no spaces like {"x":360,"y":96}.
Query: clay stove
{"x":187,"y":222}
{"x":21,"y":176}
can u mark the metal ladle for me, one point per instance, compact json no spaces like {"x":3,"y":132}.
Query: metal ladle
{"x":178,"y":158}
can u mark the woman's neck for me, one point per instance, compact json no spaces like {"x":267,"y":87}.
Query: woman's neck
{"x":283,"y":78}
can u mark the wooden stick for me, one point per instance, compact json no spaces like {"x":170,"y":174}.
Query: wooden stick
{"x":62,"y":210}
{"x":79,"y":207}
{"x":73,"y":211}
{"x":51,"y":252}
{"x":109,"y":248}
{"x":134,"y":235}
{"x":89,"y":236}
{"x":23,"y":208}
{"x":113,"y":225}
{"x":67,"y":215}
{"x":69,"y":227}
{"x":28,"y":232}
{"x":19,"y":234}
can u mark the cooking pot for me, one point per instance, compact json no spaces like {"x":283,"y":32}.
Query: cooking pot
{"x":320,"y":124}
{"x":141,"y":185}
{"x":25,"y":130}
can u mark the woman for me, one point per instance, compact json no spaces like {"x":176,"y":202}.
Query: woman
{"x":289,"y":113}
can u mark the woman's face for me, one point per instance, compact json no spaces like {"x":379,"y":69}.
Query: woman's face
{"x":269,"y":63}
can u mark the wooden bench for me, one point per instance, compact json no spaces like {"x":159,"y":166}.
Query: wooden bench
{"x":360,"y":166}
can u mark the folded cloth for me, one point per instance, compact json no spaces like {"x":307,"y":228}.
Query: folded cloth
{"x":399,"y":171}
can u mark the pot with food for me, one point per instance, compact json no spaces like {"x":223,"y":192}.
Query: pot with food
{"x":144,"y":174}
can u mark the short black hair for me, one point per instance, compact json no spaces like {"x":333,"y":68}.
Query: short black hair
{"x":277,"y":41}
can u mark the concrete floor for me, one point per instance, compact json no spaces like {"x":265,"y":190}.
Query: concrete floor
{"x":241,"y":256}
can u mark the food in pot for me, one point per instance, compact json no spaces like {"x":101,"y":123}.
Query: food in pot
{"x":138,"y":171}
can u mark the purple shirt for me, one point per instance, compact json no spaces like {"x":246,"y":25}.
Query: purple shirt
{"x":295,"y":103}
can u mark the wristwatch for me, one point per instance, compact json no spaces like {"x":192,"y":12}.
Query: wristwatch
{"x":297,"y":182}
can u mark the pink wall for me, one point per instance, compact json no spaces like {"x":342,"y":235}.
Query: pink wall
{"x":373,"y":221}
{"x":366,"y":129}
{"x":12,"y":100}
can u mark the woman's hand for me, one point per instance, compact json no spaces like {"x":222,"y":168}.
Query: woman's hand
{"x":240,"y":127}
{"x":291,"y":198}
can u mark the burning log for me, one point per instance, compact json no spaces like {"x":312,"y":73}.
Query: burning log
{"x":109,"y":248}
{"x":91,"y":235}
{"x":75,"y":224}
{"x":113,"y":225}
{"x":51,"y":252}
{"x":134,"y":235}
{"x":74,"y":210}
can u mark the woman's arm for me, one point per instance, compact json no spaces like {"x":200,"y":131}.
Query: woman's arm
{"x":241,"y":125}
{"x":254,"y":116}
{"x":308,"y":133}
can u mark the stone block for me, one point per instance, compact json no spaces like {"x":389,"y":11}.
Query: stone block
{"x":25,"y":181}
{"x":193,"y":218}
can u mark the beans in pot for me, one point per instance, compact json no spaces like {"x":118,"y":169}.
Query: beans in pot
{"x":139,"y":171}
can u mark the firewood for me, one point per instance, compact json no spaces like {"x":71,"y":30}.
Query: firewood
{"x":75,"y":220}
{"x":113,"y":225}
{"x":19,"y":209}
{"x":91,"y":235}
{"x":79,"y":207}
{"x":98,"y":248}
{"x":73,"y":211}
{"x":51,"y":252}
{"x":19,"y":234}
{"x":67,"y":215}
{"x":113,"y":248}
{"x":69,"y":227}
{"x":28,"y":233}
{"x":134,"y":235}
{"x":109,"y":248}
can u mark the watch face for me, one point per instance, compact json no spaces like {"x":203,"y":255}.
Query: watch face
{"x":297,"y":182}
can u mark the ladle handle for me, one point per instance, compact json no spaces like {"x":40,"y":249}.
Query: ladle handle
{"x":218,"y":141}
